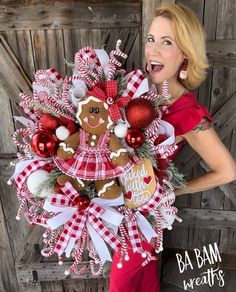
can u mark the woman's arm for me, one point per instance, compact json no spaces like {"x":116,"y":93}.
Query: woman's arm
{"x":208,"y":145}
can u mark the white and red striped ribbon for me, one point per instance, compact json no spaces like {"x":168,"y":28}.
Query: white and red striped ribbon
{"x":165,"y":89}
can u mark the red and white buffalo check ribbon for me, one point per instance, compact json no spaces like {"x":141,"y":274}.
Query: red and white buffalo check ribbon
{"x":109,"y":96}
{"x":79,"y":220}
{"x":132,"y":228}
{"x":154,"y":200}
{"x":135,"y":78}
{"x":21,"y":178}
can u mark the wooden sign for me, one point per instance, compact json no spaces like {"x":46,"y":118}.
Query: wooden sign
{"x":139,"y":184}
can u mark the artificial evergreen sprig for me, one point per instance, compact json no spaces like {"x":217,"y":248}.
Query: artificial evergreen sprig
{"x":151,"y":220}
{"x":159,"y":101}
{"x":122,"y":82}
{"x":69,"y":64}
{"x":50,"y":182}
{"x":145,"y":152}
{"x":178,"y":181}
{"x":90,"y":191}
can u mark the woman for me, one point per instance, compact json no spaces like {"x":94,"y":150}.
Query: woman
{"x":175,"y":51}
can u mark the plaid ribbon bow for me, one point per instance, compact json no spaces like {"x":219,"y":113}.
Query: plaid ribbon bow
{"x":109,"y":97}
{"x":110,"y":92}
{"x":75,"y":226}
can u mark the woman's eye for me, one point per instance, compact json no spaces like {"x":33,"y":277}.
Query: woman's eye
{"x":150,"y":39}
{"x":167,"y":42}
{"x":96,"y":110}
{"x":91,"y":110}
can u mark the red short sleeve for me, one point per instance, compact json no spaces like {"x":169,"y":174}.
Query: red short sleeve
{"x":185,"y":114}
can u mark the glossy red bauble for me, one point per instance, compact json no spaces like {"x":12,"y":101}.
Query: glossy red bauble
{"x":82,"y":202}
{"x":44,"y":143}
{"x":140,"y":112}
{"x":49,"y":122}
{"x":135,"y":138}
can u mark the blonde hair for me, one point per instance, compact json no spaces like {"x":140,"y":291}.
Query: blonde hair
{"x":190,"y":38}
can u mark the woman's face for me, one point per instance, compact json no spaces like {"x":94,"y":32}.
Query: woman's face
{"x":163,"y":56}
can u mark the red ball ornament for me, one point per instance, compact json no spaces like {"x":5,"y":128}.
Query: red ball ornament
{"x":140,"y":112}
{"x":82,"y":202}
{"x":44,"y":143}
{"x":161,"y":138}
{"x":135,"y":138}
{"x":49,"y":123}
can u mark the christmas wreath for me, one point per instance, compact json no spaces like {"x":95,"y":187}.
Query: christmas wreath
{"x":92,"y":165}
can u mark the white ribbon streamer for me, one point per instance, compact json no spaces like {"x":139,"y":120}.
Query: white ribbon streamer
{"x":64,"y":215}
{"x":167,"y":129}
{"x":24,"y":121}
{"x":143,"y":88}
{"x":145,"y":227}
{"x":99,"y":244}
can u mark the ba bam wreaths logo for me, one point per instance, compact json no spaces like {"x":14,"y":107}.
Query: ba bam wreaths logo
{"x":209,"y":256}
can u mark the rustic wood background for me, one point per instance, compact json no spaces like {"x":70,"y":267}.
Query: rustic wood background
{"x":41,"y":34}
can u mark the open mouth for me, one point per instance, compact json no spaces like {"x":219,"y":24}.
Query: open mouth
{"x":154,"y":67}
{"x":100,"y":122}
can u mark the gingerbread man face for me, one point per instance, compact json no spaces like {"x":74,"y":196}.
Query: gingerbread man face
{"x":93,"y":115}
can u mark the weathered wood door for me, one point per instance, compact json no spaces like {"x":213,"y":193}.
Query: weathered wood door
{"x":41,"y":34}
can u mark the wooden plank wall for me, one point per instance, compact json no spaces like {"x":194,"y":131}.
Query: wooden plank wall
{"x":40,"y":34}
{"x":203,"y":212}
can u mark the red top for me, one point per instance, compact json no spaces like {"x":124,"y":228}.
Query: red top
{"x":184,"y":114}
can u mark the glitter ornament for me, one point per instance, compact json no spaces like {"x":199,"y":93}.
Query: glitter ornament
{"x":140,"y":113}
{"x":35,"y":179}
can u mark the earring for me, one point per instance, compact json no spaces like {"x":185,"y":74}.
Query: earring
{"x":146,"y":68}
{"x":183,"y":74}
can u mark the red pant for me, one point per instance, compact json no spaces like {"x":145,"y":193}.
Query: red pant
{"x":132,"y":277}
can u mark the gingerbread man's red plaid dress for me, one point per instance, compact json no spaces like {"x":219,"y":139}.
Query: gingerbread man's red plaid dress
{"x":92,"y":163}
